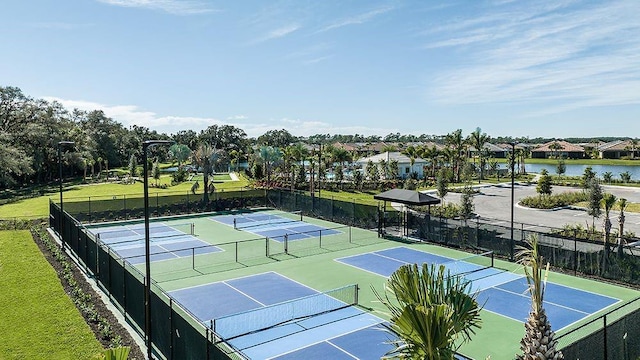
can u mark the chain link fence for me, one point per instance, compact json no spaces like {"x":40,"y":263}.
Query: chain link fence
{"x":178,"y":335}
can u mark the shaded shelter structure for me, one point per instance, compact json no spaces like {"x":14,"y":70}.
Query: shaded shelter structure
{"x":399,"y":218}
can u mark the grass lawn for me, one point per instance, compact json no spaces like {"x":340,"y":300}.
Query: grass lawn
{"x":38,"y":318}
{"x":39,"y":207}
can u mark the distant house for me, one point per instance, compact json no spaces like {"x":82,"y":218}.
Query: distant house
{"x":559,"y":149}
{"x":619,"y":149}
{"x":495,"y":150}
{"x":404,"y":163}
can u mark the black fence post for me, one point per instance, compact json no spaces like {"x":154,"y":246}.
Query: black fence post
{"x":604,"y":329}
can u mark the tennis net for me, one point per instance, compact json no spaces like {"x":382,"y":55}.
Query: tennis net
{"x":256,"y":219}
{"x":251,"y":321}
{"x":470,"y":264}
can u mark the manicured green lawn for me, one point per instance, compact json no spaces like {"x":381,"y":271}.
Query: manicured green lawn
{"x":38,"y":318}
{"x":39,"y":207}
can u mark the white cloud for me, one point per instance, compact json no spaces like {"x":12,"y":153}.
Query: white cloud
{"x":177,"y":7}
{"x":581,"y":57}
{"x":129,"y":115}
{"x":58,"y":25}
{"x":278,"y":33}
{"x":357,"y":19}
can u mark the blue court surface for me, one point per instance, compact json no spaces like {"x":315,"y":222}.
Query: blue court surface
{"x":250,"y":314}
{"x":165,"y":242}
{"x":501,"y":292}
{"x":274,"y":226}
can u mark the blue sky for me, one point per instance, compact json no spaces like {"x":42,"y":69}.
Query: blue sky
{"x":512,"y":68}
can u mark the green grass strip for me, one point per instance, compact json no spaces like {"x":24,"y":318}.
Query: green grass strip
{"x":38,"y":318}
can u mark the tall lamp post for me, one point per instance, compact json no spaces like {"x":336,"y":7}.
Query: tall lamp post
{"x":147,"y":285}
{"x":513,"y":166}
{"x":60,"y":145}
{"x":320,"y":172}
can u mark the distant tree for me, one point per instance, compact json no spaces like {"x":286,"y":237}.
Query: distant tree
{"x":555,"y":148}
{"x":442,"y":184}
{"x":392,"y":168}
{"x":587,"y":177}
{"x":494,"y":167}
{"x":625,"y":176}
{"x":276,"y":138}
{"x":544,"y":183}
{"x":383,"y":169}
{"x":457,"y":155}
{"x":155,"y":171}
{"x":467,"y":206}
{"x":607,"y":177}
{"x":595,"y":197}
{"x":412,"y":153}
{"x":269,"y":156}
{"x":257,"y":171}
{"x":339,"y":174}
{"x":561,"y":168}
{"x":608,"y":201}
{"x":477,"y":139}
{"x":372,"y":171}
{"x":633,"y":145}
{"x":179,"y":153}
{"x":204,"y":157}
{"x":622,"y":203}
{"x":133,"y":166}
{"x":357,"y":179}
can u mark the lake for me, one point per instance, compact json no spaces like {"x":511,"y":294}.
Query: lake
{"x":578,"y":170}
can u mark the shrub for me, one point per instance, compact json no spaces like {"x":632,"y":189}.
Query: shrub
{"x":554,"y":200}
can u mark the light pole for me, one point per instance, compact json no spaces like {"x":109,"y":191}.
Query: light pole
{"x":60,"y":144}
{"x":320,"y":172}
{"x":513,"y":166}
{"x":147,"y":285}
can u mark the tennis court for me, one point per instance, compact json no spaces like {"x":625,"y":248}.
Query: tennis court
{"x":271,"y":316}
{"x":166,"y":241}
{"x":268,"y":295}
{"x":501,"y":292}
{"x":279,"y":227}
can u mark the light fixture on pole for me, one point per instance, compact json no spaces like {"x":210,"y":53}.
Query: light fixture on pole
{"x":513,"y":166}
{"x":60,"y":144}
{"x":147,"y":284}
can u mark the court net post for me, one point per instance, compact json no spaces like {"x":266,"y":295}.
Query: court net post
{"x":286,"y":244}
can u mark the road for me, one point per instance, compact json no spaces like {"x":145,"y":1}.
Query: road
{"x":494,"y":202}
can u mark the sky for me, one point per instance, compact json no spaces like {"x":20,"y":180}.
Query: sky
{"x":512,"y":68}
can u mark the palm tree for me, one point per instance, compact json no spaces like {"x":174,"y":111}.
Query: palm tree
{"x":412,"y":153}
{"x":203,"y":158}
{"x":432,"y":313}
{"x":458,"y":145}
{"x":622,"y":203}
{"x":269,"y":156}
{"x":538,"y":341}
{"x":289,"y":157}
{"x":608,"y":200}
{"x":477,"y":139}
{"x":555,"y":148}
{"x":179,"y":153}
{"x":633,"y":145}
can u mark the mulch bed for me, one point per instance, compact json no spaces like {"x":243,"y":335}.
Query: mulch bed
{"x":96,"y":300}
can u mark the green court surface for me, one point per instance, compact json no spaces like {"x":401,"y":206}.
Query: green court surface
{"x":311,"y":261}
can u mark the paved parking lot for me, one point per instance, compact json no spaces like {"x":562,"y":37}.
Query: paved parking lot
{"x":494,"y":202}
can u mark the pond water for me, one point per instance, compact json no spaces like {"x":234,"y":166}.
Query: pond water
{"x":578,"y":170}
